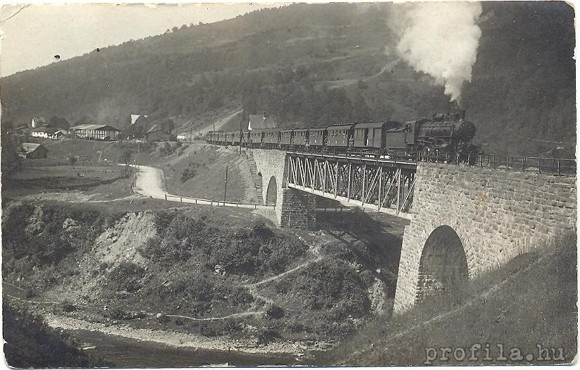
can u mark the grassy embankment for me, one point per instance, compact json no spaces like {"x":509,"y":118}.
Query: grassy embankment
{"x":529,"y":302}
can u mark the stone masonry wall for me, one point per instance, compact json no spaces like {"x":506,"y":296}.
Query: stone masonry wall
{"x":293,"y":207}
{"x":298,"y":209}
{"x":497,"y":215}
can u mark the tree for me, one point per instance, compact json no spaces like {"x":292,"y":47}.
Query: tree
{"x":125,"y":158}
{"x":58,"y":122}
{"x":10,"y":145}
{"x":167,"y":125}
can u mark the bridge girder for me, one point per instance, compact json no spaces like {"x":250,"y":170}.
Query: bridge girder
{"x":383,"y":185}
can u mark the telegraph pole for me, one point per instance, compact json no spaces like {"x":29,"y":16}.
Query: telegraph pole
{"x":241,"y":122}
{"x":226,"y":185}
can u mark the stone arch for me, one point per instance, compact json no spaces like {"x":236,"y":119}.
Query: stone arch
{"x":272,"y":192}
{"x":443,"y":267}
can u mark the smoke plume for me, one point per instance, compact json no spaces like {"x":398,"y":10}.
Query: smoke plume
{"x":440,"y":39}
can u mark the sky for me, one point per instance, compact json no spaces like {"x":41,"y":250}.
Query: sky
{"x":32,"y":35}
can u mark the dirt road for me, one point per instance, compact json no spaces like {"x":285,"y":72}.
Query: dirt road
{"x":150,"y":183}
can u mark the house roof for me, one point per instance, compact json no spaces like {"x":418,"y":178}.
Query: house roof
{"x":48,"y":130}
{"x":154,"y":128}
{"x":260,"y":122}
{"x":94,"y":127}
{"x":31,"y":147}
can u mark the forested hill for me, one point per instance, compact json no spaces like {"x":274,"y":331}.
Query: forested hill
{"x":315,"y":65}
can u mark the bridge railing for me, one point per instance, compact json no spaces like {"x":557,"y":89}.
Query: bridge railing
{"x":215,"y":203}
{"x":559,"y":166}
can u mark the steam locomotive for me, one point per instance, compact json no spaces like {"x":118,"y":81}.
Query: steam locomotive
{"x":443,"y":137}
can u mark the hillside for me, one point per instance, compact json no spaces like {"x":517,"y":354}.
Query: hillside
{"x":315,"y":65}
{"x":529,"y":302}
{"x":207,"y":276}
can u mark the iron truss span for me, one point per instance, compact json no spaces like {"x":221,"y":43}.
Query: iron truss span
{"x":382,"y":185}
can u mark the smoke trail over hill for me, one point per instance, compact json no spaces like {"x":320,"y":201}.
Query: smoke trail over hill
{"x":440,"y":39}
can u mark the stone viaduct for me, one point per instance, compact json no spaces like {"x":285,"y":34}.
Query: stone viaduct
{"x":468,"y":220}
{"x":294,"y":208}
{"x":465,"y":220}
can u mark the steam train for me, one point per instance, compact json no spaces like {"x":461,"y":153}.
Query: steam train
{"x":444,"y":136}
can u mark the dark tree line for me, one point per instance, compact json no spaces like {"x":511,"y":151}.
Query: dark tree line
{"x":285,"y":61}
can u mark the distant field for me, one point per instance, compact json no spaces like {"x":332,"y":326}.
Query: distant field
{"x":91,"y":150}
{"x":106,"y":181}
{"x":83,"y":171}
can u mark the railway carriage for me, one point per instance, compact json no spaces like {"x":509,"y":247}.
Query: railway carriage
{"x":286,"y":139}
{"x":256,"y":137}
{"x":339,"y":137}
{"x":317,"y":138}
{"x":220,"y":137}
{"x":372,"y":136}
{"x":211,"y":137}
{"x":271,"y":138}
{"x":300,"y":138}
{"x":442,"y":137}
{"x":246,"y":138}
{"x":232,"y":138}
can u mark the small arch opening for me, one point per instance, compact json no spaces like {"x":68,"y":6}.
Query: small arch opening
{"x":443,"y":270}
{"x":272,"y":192}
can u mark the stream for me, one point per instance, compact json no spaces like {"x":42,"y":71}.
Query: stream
{"x":127,"y":352}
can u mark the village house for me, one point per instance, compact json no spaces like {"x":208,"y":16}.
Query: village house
{"x":33,"y":151}
{"x":37,"y":122}
{"x":21,"y":131}
{"x":95,"y":132}
{"x":48,"y":133}
{"x":155,"y":133}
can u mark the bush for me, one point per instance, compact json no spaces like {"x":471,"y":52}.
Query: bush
{"x":47,"y":244}
{"x":126,"y":276}
{"x":330,"y":285}
{"x":187,"y":174}
{"x":68,"y":307}
{"x":266,"y":336}
{"x":257,"y":250}
{"x":275,"y":312}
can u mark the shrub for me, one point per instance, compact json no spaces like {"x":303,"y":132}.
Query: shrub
{"x":68,"y":307}
{"x":275,"y":312}
{"x":331,"y":284}
{"x":127,"y":276}
{"x":266,"y":336}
